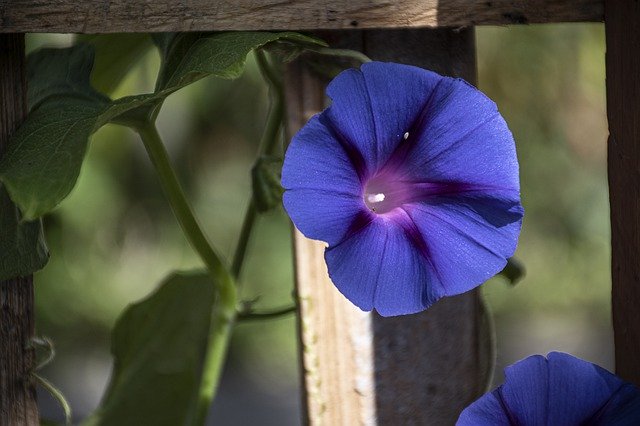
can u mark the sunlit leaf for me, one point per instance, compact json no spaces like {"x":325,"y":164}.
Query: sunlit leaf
{"x":44,"y":157}
{"x":158,"y":346}
{"x":191,"y":57}
{"x":116,"y":55}
{"x":21,"y":243}
{"x":61,"y":72}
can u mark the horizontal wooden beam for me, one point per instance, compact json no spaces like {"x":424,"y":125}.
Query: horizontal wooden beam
{"x":112,"y":16}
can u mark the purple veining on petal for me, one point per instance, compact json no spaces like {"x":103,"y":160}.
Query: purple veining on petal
{"x":424,"y":178}
{"x":513,"y":421}
{"x":352,"y":152}
{"x":557,"y":390}
{"x":607,"y":405}
{"x":359,"y":222}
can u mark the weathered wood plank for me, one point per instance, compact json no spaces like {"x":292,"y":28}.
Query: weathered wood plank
{"x":335,"y":336}
{"x":17,"y":391}
{"x":361,"y":368}
{"x":111,"y":16}
{"x":623,"y":110}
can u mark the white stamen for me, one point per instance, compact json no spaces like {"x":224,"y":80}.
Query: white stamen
{"x":406,"y":136}
{"x":375,"y":198}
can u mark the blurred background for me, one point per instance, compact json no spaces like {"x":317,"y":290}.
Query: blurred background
{"x":114,"y":238}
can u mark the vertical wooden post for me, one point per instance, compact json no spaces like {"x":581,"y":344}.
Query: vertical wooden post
{"x":361,"y":368}
{"x":17,"y":391}
{"x":623,"y":110}
{"x":429,"y":367}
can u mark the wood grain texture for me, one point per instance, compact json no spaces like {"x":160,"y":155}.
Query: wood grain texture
{"x":110,"y":16}
{"x":336,"y":341}
{"x":623,"y":110}
{"x":362,"y":369}
{"x":17,"y":391}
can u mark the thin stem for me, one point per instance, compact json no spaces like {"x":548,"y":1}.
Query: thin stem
{"x":267,"y":146}
{"x":276,"y":313}
{"x":57,"y":395}
{"x":243,"y":240}
{"x":344,"y":53}
{"x":177,"y":199}
{"x":219,"y":335}
{"x":224,"y":312}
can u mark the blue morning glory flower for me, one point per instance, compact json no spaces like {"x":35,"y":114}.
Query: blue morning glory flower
{"x":560,"y":390}
{"x":412,"y":180}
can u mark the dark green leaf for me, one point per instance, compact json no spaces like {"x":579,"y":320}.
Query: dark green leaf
{"x":44,"y":157}
{"x":514,"y":271}
{"x":61,"y":72}
{"x":192,"y":57}
{"x":158,"y":346}
{"x":116,"y":55}
{"x":265,"y":177}
{"x":21,"y":243}
{"x":287,"y":51}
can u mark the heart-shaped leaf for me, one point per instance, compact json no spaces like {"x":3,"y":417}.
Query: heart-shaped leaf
{"x":61,"y":72}
{"x":159,"y":347}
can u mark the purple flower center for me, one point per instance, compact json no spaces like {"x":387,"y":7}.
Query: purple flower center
{"x":382,"y":194}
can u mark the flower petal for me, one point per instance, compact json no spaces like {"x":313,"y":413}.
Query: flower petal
{"x":525,"y":392}
{"x":381,"y":268}
{"x":375,"y":106}
{"x":463,"y":138}
{"x":486,"y":411}
{"x":315,"y":160}
{"x":577,"y":389}
{"x":470,"y":237}
{"x":557,"y":390}
{"x":324,"y":215}
{"x":323,"y":193}
{"x":622,"y":409}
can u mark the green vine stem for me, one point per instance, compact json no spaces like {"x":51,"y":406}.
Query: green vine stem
{"x":344,"y":53}
{"x":267,"y":146}
{"x":216,"y":352}
{"x":272,"y":314}
{"x":225,"y":310}
{"x":181,"y":208}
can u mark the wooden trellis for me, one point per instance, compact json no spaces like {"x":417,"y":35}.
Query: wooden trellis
{"x":358,"y":368}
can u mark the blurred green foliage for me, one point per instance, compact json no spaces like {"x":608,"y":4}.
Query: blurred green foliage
{"x":114,"y":237}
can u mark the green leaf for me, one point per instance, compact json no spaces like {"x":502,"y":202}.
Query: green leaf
{"x":21,"y":243}
{"x":191,"y":57}
{"x":265,"y":179}
{"x":116,"y":55}
{"x":45,"y":155}
{"x":61,"y":72}
{"x":163,"y":42}
{"x":158,"y":346}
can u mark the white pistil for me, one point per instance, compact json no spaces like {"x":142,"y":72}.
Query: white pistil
{"x":375,"y":198}
{"x":406,"y":136}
